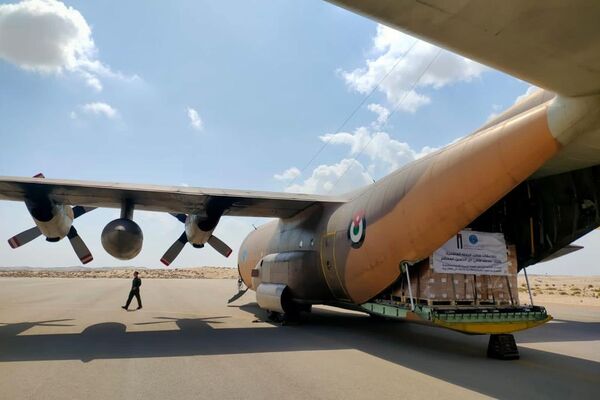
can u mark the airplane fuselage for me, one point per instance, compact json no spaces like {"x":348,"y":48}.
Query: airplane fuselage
{"x":353,"y":251}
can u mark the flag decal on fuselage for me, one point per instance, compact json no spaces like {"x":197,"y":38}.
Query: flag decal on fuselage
{"x":357,"y":229}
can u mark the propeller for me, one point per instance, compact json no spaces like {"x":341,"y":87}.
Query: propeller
{"x":24,"y":237}
{"x":174,"y":250}
{"x":178,"y":245}
{"x":77,"y":243}
{"x":219,"y":246}
{"x":79,"y":246}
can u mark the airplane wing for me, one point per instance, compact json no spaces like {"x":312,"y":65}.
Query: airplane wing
{"x":172,"y":199}
{"x":552,"y":44}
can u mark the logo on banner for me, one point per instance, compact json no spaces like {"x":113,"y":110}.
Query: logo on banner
{"x":473,"y":239}
{"x":357,"y":229}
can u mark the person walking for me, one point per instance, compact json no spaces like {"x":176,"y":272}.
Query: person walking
{"x":135,"y":291}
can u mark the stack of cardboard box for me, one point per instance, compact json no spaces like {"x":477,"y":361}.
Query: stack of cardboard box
{"x":430,"y":287}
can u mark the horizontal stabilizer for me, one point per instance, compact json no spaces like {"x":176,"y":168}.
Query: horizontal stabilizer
{"x":563,"y":252}
{"x":552,"y":44}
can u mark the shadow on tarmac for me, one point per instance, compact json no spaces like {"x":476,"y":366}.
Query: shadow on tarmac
{"x":561,"y":331}
{"x":452,"y":357}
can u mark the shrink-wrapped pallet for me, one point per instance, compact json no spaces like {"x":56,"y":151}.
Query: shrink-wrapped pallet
{"x":431,"y":287}
{"x":505,"y":290}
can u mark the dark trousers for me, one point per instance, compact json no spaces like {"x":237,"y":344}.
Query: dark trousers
{"x":135,"y":293}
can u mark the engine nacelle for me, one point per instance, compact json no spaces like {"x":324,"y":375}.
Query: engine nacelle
{"x":53,"y":220}
{"x":122,"y":239}
{"x":198,"y":229}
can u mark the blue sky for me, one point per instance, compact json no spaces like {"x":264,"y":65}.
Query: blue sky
{"x":111,"y":95}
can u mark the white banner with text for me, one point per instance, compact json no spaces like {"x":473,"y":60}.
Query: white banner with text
{"x":473,"y":253}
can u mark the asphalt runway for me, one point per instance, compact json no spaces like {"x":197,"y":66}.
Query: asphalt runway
{"x":69,"y":339}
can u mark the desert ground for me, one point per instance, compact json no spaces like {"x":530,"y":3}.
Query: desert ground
{"x":582,"y":290}
{"x":69,"y":339}
{"x":556,"y":289}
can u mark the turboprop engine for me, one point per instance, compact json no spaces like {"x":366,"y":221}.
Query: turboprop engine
{"x":54,"y":221}
{"x":198,"y":231}
{"x":122,"y":238}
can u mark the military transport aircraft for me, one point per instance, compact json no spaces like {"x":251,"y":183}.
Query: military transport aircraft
{"x":532,"y":173}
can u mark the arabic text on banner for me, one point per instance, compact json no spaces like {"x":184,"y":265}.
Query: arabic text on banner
{"x":470,"y":252}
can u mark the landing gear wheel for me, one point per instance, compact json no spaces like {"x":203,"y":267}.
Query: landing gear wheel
{"x":503,"y":347}
{"x":275,"y":316}
{"x":291,"y":317}
{"x":306,"y":308}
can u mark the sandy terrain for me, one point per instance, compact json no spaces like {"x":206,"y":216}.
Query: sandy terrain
{"x":582,"y":290}
{"x":70,"y":339}
{"x":108,"y":272}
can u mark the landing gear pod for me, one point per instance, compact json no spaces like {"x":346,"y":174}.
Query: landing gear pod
{"x":275,"y":297}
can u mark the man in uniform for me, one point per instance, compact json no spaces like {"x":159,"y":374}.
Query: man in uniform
{"x":135,"y":291}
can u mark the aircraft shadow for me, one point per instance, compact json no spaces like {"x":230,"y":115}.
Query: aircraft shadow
{"x":452,"y":357}
{"x":561,"y":331}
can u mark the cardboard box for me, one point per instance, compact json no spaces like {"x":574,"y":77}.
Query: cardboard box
{"x":435,"y":286}
{"x":465,"y":287}
{"x":428,"y":285}
{"x":505,"y":289}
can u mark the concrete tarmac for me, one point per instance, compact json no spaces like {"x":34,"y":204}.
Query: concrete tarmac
{"x":69,"y":339}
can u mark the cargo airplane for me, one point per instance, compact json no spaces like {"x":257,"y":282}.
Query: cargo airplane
{"x":532,"y":173}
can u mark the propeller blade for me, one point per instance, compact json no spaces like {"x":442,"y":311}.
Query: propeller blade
{"x":174,"y":250}
{"x":24,"y":237}
{"x":79,"y":246}
{"x":78,"y":211}
{"x":219,"y":246}
{"x":181,"y":217}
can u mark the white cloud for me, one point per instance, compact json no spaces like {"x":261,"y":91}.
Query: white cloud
{"x":46,"y":36}
{"x":389,"y":46}
{"x":195,"y":120}
{"x":382,"y":114}
{"x":386,"y":153}
{"x":288,"y":175}
{"x":343,"y":177}
{"x":497,"y":109}
{"x":100,"y":109}
{"x":530,"y":90}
